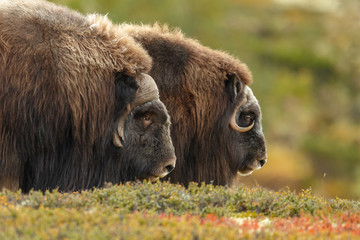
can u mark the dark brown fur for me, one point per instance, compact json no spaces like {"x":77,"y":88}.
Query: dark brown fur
{"x":65,"y":79}
{"x":201,"y":88}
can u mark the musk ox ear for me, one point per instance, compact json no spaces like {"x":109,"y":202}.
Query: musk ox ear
{"x":125,"y":90}
{"x":233,"y":86}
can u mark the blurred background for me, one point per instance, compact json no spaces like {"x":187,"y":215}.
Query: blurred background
{"x":305,"y":58}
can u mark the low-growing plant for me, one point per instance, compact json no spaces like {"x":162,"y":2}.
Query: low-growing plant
{"x":164,"y":197}
{"x":144,"y":210}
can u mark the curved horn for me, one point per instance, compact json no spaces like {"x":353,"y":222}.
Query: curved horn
{"x":119,"y":135}
{"x":148,"y":90}
{"x":233,"y":123}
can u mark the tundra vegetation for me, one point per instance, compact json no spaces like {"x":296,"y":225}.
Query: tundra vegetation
{"x":163,"y":210}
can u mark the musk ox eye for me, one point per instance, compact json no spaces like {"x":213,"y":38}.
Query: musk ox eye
{"x":147,"y":119}
{"x":246,"y":118}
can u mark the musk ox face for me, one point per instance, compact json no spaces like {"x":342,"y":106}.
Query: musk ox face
{"x":144,"y":135}
{"x":148,"y":149}
{"x":245,"y":130}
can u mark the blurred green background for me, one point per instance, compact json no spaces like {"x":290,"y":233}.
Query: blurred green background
{"x":305,"y":58}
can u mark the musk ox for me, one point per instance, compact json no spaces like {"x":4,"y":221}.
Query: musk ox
{"x":216,"y":119}
{"x":76,"y":109}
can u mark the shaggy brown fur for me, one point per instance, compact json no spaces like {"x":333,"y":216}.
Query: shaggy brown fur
{"x":65,"y":79}
{"x":201,"y":88}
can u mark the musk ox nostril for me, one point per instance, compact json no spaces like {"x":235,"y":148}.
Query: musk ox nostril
{"x":262,"y":162}
{"x":169,"y":168}
{"x":170,"y":165}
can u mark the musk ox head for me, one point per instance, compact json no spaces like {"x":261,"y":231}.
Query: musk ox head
{"x":249,"y":150}
{"x":216,"y":120}
{"x":143,"y":133}
{"x":76,"y":109}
